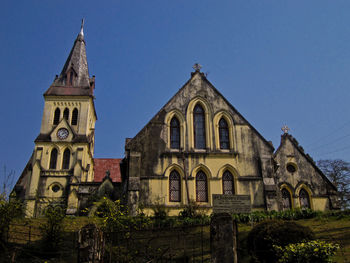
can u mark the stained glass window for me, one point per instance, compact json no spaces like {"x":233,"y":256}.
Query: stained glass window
{"x":286,"y":199}
{"x":201,"y":187}
{"x":304,"y":199}
{"x":174,"y":187}
{"x":174,"y":133}
{"x":227,"y":183}
{"x":199,"y":127}
{"x":224,"y":134}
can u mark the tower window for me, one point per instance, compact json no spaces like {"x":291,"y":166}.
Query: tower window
{"x":227,"y":183}
{"x":286,"y":199}
{"x":199,"y":127}
{"x":71,"y":78}
{"x":224,"y":134}
{"x":75,"y":116}
{"x":56,"y":118}
{"x":53,"y":159}
{"x":201,"y":187}
{"x":66,"y":114}
{"x":174,"y":187}
{"x":174,"y":133}
{"x":66,"y":159}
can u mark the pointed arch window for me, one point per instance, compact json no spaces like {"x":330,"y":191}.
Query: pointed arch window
{"x":75,"y":116}
{"x":224,"y":134}
{"x":53,"y":159}
{"x":304,"y":199}
{"x":175,"y":133}
{"x":201,"y":187}
{"x":66,"y":114}
{"x":286,"y":199}
{"x":199,"y":127}
{"x":227,"y":183}
{"x":174,"y":187}
{"x":71,"y":76}
{"x":66,"y":159}
{"x":56,"y":117}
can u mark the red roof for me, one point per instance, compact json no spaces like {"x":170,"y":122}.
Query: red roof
{"x":101,"y":166}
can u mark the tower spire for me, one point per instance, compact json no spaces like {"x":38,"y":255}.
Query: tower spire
{"x":75,"y":72}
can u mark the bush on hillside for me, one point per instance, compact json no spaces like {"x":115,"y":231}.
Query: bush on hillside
{"x":265,"y":235}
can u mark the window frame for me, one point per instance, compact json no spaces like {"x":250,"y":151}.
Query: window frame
{"x":228,"y":177}
{"x":56,"y":116}
{"x":201,"y":177}
{"x":174,"y":177}
{"x":175,"y":131}
{"x":53,"y":159}
{"x":66,"y":159}
{"x":199,"y":118}
{"x":224,"y":129}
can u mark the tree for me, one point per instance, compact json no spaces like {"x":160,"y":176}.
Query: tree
{"x":338,"y":172}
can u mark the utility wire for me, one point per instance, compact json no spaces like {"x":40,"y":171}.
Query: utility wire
{"x":325,"y":144}
{"x":329,"y":134}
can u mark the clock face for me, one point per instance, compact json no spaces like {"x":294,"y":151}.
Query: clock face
{"x":62,"y":133}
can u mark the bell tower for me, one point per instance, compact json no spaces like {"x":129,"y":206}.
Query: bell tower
{"x":63,"y":155}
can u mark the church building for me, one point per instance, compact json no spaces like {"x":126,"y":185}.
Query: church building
{"x":197,"y":145}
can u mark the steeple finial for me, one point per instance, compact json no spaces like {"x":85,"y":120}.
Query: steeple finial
{"x":82,"y":28}
{"x":285,"y":129}
{"x":197,"y":67}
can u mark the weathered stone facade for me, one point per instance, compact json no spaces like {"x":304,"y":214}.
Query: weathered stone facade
{"x":249,"y":158}
{"x":197,"y":145}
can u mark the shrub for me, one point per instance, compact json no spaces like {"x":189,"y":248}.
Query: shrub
{"x":265,"y":235}
{"x":190,"y":210}
{"x":307,"y":252}
{"x":52,"y":229}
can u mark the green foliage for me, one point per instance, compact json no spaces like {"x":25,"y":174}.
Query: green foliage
{"x":265,"y":235}
{"x":315,"y":251}
{"x":160,"y":212}
{"x":52,"y":230}
{"x":8,"y":211}
{"x":294,"y":214}
{"x":190,"y":210}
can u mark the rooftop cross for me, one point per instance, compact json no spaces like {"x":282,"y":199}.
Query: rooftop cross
{"x":285,"y":129}
{"x":197,"y":67}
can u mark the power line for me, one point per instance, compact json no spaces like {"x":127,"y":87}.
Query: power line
{"x":325,"y":144}
{"x":329,"y":134}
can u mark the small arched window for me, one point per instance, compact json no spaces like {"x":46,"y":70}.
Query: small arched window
{"x":304,"y":199}
{"x":201,"y":187}
{"x":71,"y":76}
{"x":224,"y":134}
{"x":66,"y":114}
{"x":227,"y":183}
{"x":175,"y":133}
{"x":199,"y":127}
{"x":53,"y":159}
{"x":75,"y":116}
{"x":174,"y":187}
{"x":286,"y":199}
{"x":56,"y":117}
{"x":66,"y":159}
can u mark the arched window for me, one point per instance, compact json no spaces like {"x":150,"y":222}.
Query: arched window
{"x":227,"y":183}
{"x":53,"y":158}
{"x":175,"y":133}
{"x":71,"y":78}
{"x":66,"y":159}
{"x":224,"y":134}
{"x":286,"y":199}
{"x":199,"y":127}
{"x":304,"y":199}
{"x":174,"y":187}
{"x":201,"y":187}
{"x":66,"y":114}
{"x":75,"y":116}
{"x":56,"y":117}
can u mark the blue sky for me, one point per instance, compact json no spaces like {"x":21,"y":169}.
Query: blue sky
{"x":277,"y":62}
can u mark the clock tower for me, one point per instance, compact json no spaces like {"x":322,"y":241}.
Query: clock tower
{"x":62,"y":159}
